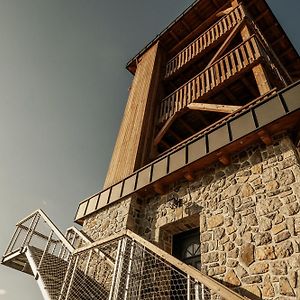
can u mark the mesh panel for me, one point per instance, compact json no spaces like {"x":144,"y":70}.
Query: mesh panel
{"x":120,"y":269}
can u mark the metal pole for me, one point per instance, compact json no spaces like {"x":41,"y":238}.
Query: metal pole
{"x":203,"y":291}
{"x":129,"y":270}
{"x":197,"y":291}
{"x":31,"y":229}
{"x":46,"y":249}
{"x":13,"y":240}
{"x":72,"y":278}
{"x":65,"y":280}
{"x":188,"y":287}
{"x":141,"y":273}
{"x":88,"y":262}
{"x":115,"y":270}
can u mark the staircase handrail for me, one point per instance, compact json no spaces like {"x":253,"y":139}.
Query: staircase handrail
{"x":209,"y":282}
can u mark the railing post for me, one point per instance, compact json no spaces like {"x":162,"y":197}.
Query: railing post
{"x":72,"y":278}
{"x":188,"y":287}
{"x":31,"y":229}
{"x":13,"y":240}
{"x":46,"y":249}
{"x":197,"y":290}
{"x":115,"y":272}
{"x":88,"y":262}
{"x":129,"y":270}
{"x":119,"y":268}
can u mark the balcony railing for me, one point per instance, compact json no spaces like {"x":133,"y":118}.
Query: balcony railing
{"x":237,"y":60}
{"x":205,"y":40}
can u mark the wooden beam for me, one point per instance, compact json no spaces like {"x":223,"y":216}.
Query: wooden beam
{"x":224,"y":158}
{"x":226,"y":43}
{"x":186,"y":126}
{"x":221,"y":108}
{"x":249,"y":86}
{"x":265,"y":137}
{"x":259,"y":73}
{"x":224,"y":12}
{"x":234,"y":3}
{"x":175,"y":134}
{"x":159,"y":188}
{"x":195,"y":33}
{"x":189,"y":176}
{"x":165,"y":128}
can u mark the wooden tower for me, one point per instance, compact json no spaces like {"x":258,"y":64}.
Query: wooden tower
{"x":209,"y":145}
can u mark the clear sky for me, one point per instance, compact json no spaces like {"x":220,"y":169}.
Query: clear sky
{"x":63,"y":87}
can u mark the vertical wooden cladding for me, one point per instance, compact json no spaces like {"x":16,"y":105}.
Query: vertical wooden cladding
{"x":131,"y":133}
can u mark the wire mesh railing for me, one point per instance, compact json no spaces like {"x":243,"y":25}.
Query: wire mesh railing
{"x":121,"y":267}
{"x":140,"y":271}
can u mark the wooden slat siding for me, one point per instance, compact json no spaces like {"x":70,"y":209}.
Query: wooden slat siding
{"x":194,"y":91}
{"x":203,"y":91}
{"x":198,"y":87}
{"x":237,"y":54}
{"x":228,"y":69}
{"x":212,"y":78}
{"x":244,"y":55}
{"x":216,"y":74}
{"x":131,"y":133}
{"x":206,"y":39}
{"x":233,"y":63}
{"x":223,"y":74}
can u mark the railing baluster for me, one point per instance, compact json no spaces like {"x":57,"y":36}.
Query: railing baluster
{"x":238,"y":58}
{"x":207,"y":38}
{"x":233,"y":63}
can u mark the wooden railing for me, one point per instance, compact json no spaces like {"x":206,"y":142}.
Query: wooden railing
{"x":208,"y":38}
{"x":227,"y":66}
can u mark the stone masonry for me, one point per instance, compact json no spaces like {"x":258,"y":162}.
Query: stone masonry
{"x":248,"y":215}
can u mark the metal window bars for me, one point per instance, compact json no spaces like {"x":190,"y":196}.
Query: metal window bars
{"x":121,"y":267}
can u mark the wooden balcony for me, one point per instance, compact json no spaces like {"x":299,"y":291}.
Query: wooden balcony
{"x":240,"y":59}
{"x":205,"y":41}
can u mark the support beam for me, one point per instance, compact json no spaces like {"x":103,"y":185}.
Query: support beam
{"x":165,"y":128}
{"x":186,"y":126}
{"x":226,"y":43}
{"x":220,"y":108}
{"x":224,"y":158}
{"x":259,"y":72}
{"x":159,"y":188}
{"x":189,"y":176}
{"x":265,"y":137}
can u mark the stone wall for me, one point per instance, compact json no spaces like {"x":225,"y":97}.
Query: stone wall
{"x":108,"y":221}
{"x":248,"y":214}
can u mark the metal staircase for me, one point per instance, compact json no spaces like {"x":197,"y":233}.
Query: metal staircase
{"x":124,"y":266}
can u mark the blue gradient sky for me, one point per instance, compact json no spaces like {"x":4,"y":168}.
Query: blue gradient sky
{"x":63,"y":87}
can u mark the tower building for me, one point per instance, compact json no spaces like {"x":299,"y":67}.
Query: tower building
{"x":202,"y":196}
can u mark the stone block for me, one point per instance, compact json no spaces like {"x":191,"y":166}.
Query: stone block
{"x":279,"y":268}
{"x":267,"y":206}
{"x":265,"y":253}
{"x":285,"y":287}
{"x":268,"y":288}
{"x":262,"y":238}
{"x":247,"y":254}
{"x":231,"y":278}
{"x":278,"y":228}
{"x":210,"y":257}
{"x":215,"y":221}
{"x":284,"y":249}
{"x":282,"y":236}
{"x":259,"y":268}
